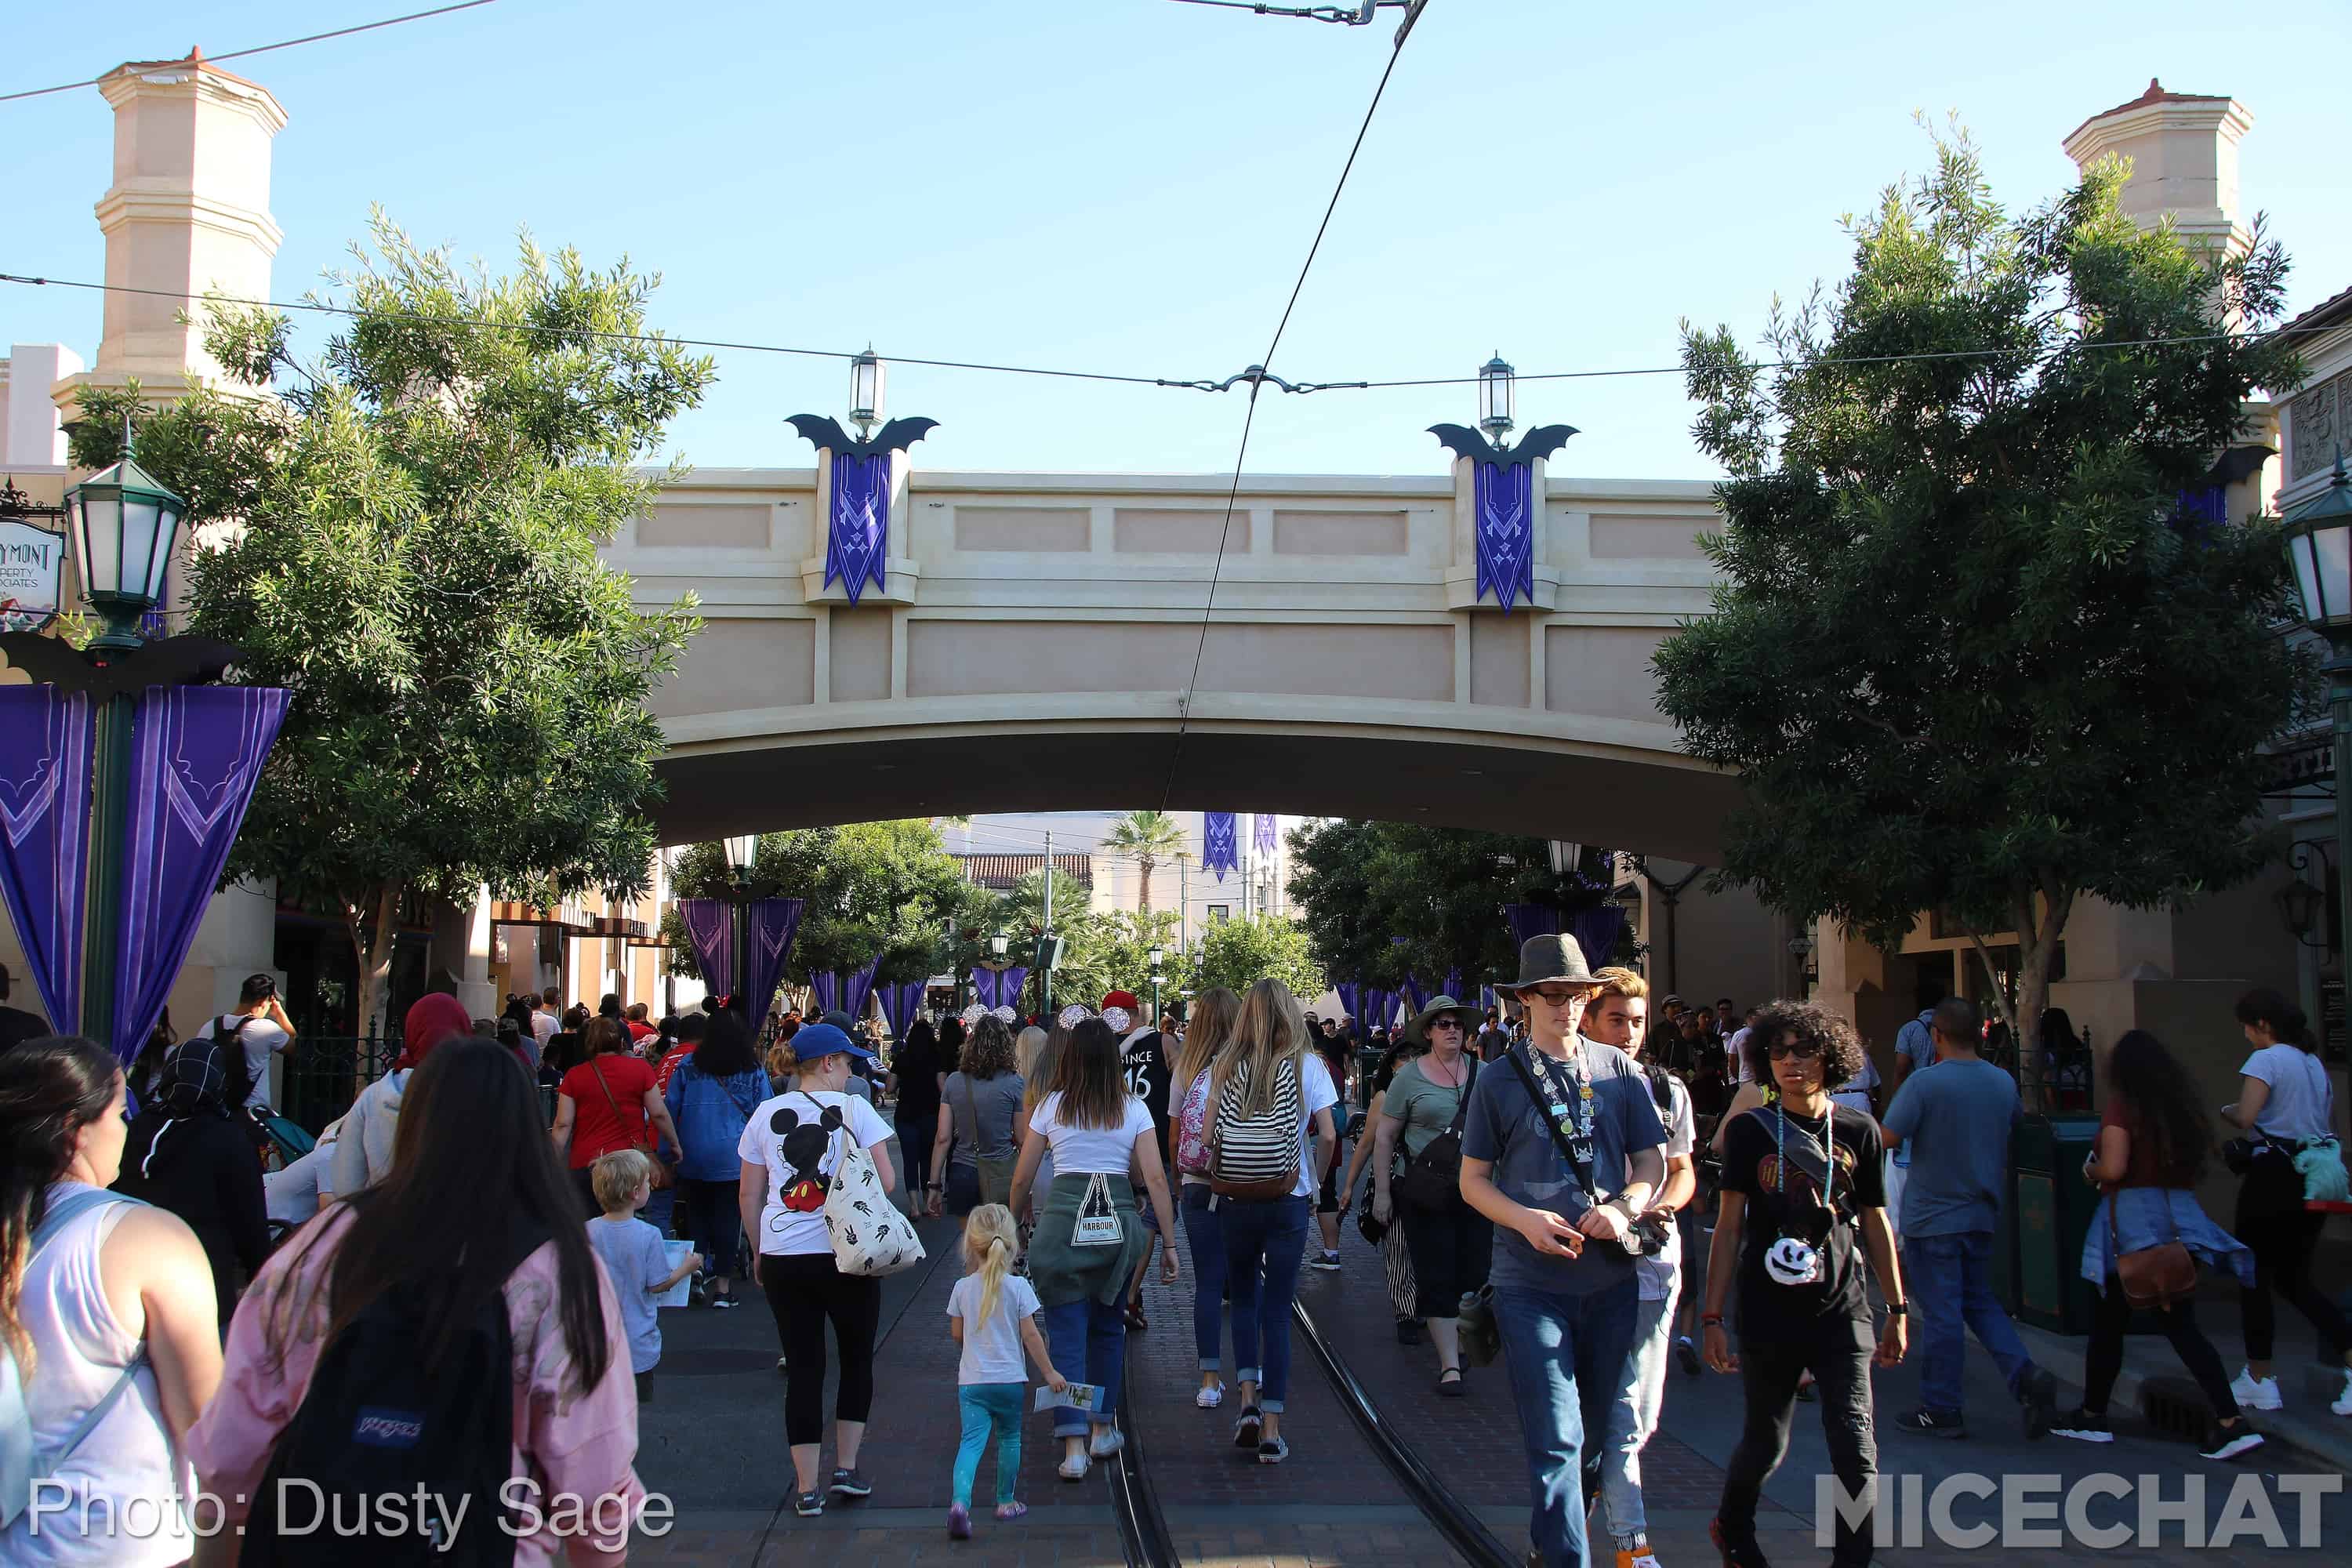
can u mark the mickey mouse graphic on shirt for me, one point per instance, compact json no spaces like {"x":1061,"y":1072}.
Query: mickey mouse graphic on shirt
{"x":804,"y":1145}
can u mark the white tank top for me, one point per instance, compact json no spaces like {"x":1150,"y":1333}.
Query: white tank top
{"x":124,"y":1486}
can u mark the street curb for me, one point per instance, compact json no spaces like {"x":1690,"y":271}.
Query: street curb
{"x":2320,"y":1437}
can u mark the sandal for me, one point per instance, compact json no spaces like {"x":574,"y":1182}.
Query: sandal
{"x":1011,"y":1509}
{"x":1449,"y":1383}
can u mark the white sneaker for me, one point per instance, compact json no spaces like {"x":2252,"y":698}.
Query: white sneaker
{"x":1107,"y":1441}
{"x":1073,"y":1468}
{"x":1210,"y":1397}
{"x":2253,"y":1393}
{"x":2343,"y":1406}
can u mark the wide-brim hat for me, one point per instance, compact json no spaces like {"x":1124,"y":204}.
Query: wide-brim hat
{"x":1418,"y":1029}
{"x":1550,"y":960}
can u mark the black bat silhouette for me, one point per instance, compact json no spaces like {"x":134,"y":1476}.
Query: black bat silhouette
{"x":1540,"y":442}
{"x":826,"y":434}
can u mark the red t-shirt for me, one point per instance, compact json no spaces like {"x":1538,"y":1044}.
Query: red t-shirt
{"x":595,"y":1130}
{"x":670,"y":1064}
{"x":641,"y":1032}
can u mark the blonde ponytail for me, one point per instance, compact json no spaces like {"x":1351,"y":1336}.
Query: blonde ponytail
{"x":990,"y":1241}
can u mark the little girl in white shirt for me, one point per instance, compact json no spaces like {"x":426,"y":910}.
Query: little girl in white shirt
{"x":992,"y":1314}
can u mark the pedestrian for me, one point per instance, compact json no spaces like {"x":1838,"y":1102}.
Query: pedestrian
{"x":1035,"y":1085}
{"x":2289,"y":1153}
{"x":1562,"y":1149}
{"x":788,"y":1151}
{"x":606,"y":1103}
{"x":261,"y":1029}
{"x":686,"y":1035}
{"x":1423,"y":1112}
{"x":188,"y":1152}
{"x":916,"y":1072}
{"x":547,"y":1018}
{"x":639,"y":1019}
{"x":1146,"y":1056}
{"x":971,"y":1147}
{"x":1088,"y":1236}
{"x":1958,"y":1121}
{"x":106,"y":1306}
{"x":1270,"y":1130}
{"x":474,"y":1218}
{"x":1801,"y":1202}
{"x":993,"y":1318}
{"x":715,"y":1092}
{"x":17,"y":1026}
{"x":364,"y":1153}
{"x":519,"y":1013}
{"x":1396,"y":1254}
{"x":1335,"y":1056}
{"x":637,"y":1261}
{"x":1213,"y":1011}
{"x":1618,"y":1015}
{"x":2151,"y":1150}
{"x":857,"y":1083}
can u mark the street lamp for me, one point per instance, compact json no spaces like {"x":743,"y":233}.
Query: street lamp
{"x":865,"y":379}
{"x":1495,"y":381}
{"x":996,"y":946}
{"x":2318,"y":535}
{"x":1158,"y":956}
{"x":743,"y":855}
{"x":124,"y":524}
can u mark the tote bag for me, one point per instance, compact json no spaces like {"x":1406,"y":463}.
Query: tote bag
{"x":870,"y":1238}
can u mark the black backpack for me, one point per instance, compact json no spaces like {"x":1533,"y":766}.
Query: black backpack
{"x":372,"y":1429}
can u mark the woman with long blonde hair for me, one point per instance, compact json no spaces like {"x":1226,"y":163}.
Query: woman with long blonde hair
{"x":1265,"y":1069}
{"x":1036,"y":1083}
{"x":1209,"y":1028}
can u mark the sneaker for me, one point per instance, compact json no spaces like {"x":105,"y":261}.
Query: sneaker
{"x":2083,"y":1426}
{"x":1636,"y":1553}
{"x":2229,"y":1442}
{"x":1738,"y":1553}
{"x":959,"y":1523}
{"x":781,"y":1364}
{"x":808,"y":1505}
{"x":1210,"y":1397}
{"x":1408,"y":1331}
{"x":2038,"y":1394}
{"x":1248,"y":1428}
{"x":2342,"y":1406}
{"x":1931,"y":1424}
{"x":721,"y":1303}
{"x":1272,"y":1451}
{"x":1107,"y":1441}
{"x":1328,"y":1263}
{"x":1688,"y":1354}
{"x":2253,"y":1393}
{"x":1073,"y":1468}
{"x":851,"y":1483}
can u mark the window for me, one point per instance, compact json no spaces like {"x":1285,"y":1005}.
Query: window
{"x":1219,"y":912}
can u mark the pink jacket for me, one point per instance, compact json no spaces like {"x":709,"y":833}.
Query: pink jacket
{"x":567,"y":1443}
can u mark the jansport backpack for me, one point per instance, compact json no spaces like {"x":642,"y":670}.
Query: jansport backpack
{"x":1255,"y":1157}
{"x":374,"y":1427}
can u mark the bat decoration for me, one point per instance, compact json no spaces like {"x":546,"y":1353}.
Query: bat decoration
{"x":858,"y":512}
{"x":1505,"y":503}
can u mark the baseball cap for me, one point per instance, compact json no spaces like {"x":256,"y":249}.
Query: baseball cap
{"x":817,"y":1041}
{"x":1120,"y":999}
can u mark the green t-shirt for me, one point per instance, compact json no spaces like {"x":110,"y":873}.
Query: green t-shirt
{"x":1427,"y":1109}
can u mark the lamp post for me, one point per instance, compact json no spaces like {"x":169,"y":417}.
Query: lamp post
{"x":742,"y":857}
{"x":1158,"y":955}
{"x":2318,"y":536}
{"x":1496,"y":380}
{"x":865,"y":388}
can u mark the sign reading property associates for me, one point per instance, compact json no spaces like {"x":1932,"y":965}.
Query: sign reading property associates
{"x":32,"y":564}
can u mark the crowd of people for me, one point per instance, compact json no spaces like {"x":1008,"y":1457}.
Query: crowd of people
{"x":1546,"y":1181}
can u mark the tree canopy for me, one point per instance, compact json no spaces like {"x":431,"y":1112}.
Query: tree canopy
{"x":1238,"y":953}
{"x":404,"y":534}
{"x":1982,"y":643}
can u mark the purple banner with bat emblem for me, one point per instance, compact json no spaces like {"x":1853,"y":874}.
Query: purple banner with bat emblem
{"x":775,"y":923}
{"x":1266,"y":828}
{"x":710,"y":932}
{"x":45,"y":749}
{"x":902,"y":1001}
{"x":857,"y":534}
{"x":1220,"y":845}
{"x":1504,"y":497}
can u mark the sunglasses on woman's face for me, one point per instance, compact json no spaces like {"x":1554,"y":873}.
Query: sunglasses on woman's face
{"x":1453,"y":1024}
{"x":1803,"y":1050}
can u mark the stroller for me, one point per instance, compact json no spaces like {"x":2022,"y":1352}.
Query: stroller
{"x":281,"y":1142}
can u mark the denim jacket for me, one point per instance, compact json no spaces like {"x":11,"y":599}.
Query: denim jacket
{"x":2150,"y":1216}
{"x":711,"y":1113}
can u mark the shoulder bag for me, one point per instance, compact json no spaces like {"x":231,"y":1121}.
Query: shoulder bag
{"x":870,"y":1238}
{"x":995,"y":1175}
{"x":1645,"y":1236}
{"x":1434,"y":1180}
{"x":662,"y":1175}
{"x":2154,"y":1276}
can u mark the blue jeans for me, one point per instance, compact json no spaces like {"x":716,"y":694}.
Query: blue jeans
{"x":1950,"y":1279}
{"x":1267,"y":1239}
{"x":1204,"y":1230}
{"x":989,"y":1407}
{"x":1089,"y":1345}
{"x":1567,"y":1355}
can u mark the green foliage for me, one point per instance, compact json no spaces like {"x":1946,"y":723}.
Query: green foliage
{"x":1240,"y":953}
{"x":1112,"y":951}
{"x":404,"y":534}
{"x":1360,"y":885}
{"x":1152,"y":838}
{"x":1021,"y":912}
{"x":1968,"y":653}
{"x":887,"y":888}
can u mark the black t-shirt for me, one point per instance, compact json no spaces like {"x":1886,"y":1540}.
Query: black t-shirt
{"x":1146,"y":1061}
{"x":16,"y":1026}
{"x":1792,"y":1206}
{"x":916,"y":1064}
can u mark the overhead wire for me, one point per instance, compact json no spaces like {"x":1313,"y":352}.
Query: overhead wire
{"x":261,"y":48}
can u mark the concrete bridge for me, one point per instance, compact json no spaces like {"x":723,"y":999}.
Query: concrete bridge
{"x":1034,"y":646}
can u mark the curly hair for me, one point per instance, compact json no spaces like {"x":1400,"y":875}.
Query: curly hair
{"x":988,"y":1049}
{"x":1842,"y":1053}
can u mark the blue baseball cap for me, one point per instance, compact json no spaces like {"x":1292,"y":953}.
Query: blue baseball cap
{"x":817,"y":1041}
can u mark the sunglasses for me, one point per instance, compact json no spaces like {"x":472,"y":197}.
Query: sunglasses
{"x":1446,"y":1023}
{"x":1803,"y":1050}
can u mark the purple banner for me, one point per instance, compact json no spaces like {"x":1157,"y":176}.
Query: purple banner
{"x":710,"y":932}
{"x":1453,"y":984}
{"x":1596,"y":931}
{"x":824,"y":990}
{"x":1416,"y":994}
{"x":902,"y":1002}
{"x":1507,"y":564}
{"x":197,"y":754}
{"x":774,"y":922}
{"x":1266,"y":831}
{"x":856,"y":541}
{"x":1531,"y":921}
{"x":1351,"y":998}
{"x":999,"y":987}
{"x":1220,"y":850}
{"x":45,"y":747}
{"x":1380,"y":1007}
{"x":857,"y":991}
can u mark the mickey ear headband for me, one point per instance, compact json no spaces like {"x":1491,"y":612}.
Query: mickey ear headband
{"x":1071,"y":1017}
{"x":973,"y":1014}
{"x":1004,"y":1015}
{"x":1118,"y":1018}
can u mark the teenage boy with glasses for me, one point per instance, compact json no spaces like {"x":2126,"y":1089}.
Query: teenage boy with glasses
{"x":1560,"y":1149}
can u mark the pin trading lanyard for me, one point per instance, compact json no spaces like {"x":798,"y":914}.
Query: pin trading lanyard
{"x":1829,"y":1164}
{"x":1577,"y":1133}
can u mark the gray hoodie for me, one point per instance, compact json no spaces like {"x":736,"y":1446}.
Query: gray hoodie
{"x":363,"y":1149}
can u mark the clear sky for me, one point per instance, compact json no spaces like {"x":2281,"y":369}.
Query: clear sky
{"x":1129,"y":185}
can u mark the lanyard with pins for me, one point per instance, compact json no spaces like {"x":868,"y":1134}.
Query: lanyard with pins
{"x":1828,"y":1162}
{"x":1572,"y":1109}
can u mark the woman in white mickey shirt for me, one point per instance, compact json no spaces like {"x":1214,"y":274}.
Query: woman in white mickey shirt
{"x":788,"y":1149}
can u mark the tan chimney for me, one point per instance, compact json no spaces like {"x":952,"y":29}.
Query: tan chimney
{"x":2183,"y":149}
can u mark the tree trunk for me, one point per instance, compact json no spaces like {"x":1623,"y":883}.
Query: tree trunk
{"x":371,"y":948}
{"x":2037,"y":931}
{"x":1143,"y":894}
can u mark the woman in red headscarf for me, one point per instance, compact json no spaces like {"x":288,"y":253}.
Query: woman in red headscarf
{"x":363,"y":1147}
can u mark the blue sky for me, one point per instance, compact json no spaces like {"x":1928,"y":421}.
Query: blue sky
{"x":1129,"y":185}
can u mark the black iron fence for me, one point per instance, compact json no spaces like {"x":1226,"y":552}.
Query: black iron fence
{"x":321,"y":1075}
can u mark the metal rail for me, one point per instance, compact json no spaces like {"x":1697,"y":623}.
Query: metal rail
{"x":1453,"y":1519}
{"x":1142,"y":1527}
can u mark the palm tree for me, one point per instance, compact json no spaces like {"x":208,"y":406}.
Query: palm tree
{"x":1151,"y":837}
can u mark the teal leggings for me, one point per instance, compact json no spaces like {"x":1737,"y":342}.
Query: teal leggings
{"x":986,"y":1407}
